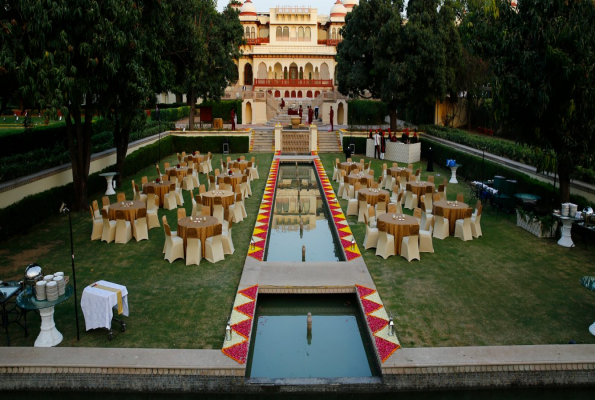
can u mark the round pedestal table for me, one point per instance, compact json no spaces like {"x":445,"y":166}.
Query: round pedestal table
{"x":180,"y":172}
{"x":398,"y":227}
{"x":395,"y":171}
{"x":236,"y":179}
{"x":372,"y":195}
{"x":227,"y":198}
{"x":109,"y":177}
{"x":49,"y":336}
{"x":204,"y":225}
{"x":420,"y":188}
{"x":356,"y":178}
{"x":130,"y":209}
{"x":346,"y":166}
{"x":161,"y":189}
{"x":565,"y":239}
{"x":452,"y":211}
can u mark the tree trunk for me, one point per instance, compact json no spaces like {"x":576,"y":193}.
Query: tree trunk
{"x":564,"y":177}
{"x":192,"y":110}
{"x":392,"y":112}
{"x":122,"y":128}
{"x":468,"y":113}
{"x":79,"y":146}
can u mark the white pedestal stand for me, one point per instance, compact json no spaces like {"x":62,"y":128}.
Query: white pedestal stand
{"x":453,"y":177}
{"x":566,"y":239}
{"x":109,"y":176}
{"x":49,"y":335}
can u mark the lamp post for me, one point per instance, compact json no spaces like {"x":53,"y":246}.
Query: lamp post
{"x":64,"y":210}
{"x":159,"y":120}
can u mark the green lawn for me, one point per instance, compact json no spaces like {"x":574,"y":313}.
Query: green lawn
{"x":505,"y":288}
{"x":171,"y":305}
{"x":10,"y":122}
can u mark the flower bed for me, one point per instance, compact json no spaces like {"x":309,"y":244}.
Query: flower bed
{"x":240,"y":321}
{"x":378,"y":322}
{"x":351,"y":250}
{"x":261,"y":228}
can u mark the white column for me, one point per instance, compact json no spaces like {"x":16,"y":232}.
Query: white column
{"x":49,"y":335}
{"x":313,"y":138}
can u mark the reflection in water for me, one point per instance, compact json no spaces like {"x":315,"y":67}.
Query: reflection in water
{"x":300,"y":218}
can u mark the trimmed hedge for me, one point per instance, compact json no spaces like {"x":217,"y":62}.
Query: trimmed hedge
{"x":214,"y":144}
{"x":21,"y":216}
{"x":472,"y":167}
{"x":360,"y":143}
{"x":172,"y":114}
{"x":222,"y":109}
{"x":366,"y":112}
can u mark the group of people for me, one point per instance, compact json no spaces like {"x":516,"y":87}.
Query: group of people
{"x":380,"y":142}
{"x":312,"y":112}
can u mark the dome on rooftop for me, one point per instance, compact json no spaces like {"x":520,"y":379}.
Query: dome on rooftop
{"x":248,"y":8}
{"x":338,"y":10}
{"x":349,"y":4}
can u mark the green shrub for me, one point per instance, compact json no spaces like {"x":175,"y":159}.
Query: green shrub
{"x":472,"y":171}
{"x":360,"y":143}
{"x":222,"y":109}
{"x":214,"y":144}
{"x":172,"y":114}
{"x":366,"y":112}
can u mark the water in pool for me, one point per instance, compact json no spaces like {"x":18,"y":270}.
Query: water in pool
{"x":301,"y":218}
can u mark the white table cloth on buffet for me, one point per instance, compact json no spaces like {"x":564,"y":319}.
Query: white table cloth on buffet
{"x":97,"y":304}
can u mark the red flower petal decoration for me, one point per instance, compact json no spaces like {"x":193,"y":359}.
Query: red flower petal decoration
{"x":248,"y":309}
{"x":351,"y":255}
{"x":385,"y":348}
{"x":262,"y":235}
{"x":239,"y":352}
{"x":250,"y":292}
{"x":243,"y":328}
{"x":343,"y":233}
{"x":369,"y":306}
{"x":376,"y":323}
{"x":257,"y":254}
{"x":363,"y":291}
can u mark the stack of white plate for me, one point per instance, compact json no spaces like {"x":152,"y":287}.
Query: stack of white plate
{"x":40,"y":290}
{"x":51,"y":291}
{"x":58,"y":274}
{"x":565,"y":209}
{"x":48,"y":278}
{"x":60,"y":281}
{"x":572,"y":210}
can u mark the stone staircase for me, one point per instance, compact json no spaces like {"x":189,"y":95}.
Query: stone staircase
{"x":285,"y":119}
{"x":262,"y":141}
{"x":328,"y":142}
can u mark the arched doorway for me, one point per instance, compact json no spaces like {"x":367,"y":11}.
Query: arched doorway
{"x":262,"y":71}
{"x":293,"y":94}
{"x":309,"y":94}
{"x":277,"y":93}
{"x":324,"y":73}
{"x":293,"y":71}
{"x":278,"y":72}
{"x":340,"y":114}
{"x":299,"y":94}
{"x":316,"y":94}
{"x":248,"y":74}
{"x":308,"y":71}
{"x":248,"y":113}
{"x":287,"y":93}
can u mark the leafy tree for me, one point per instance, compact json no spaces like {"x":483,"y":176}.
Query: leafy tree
{"x":65,"y":54}
{"x":399,"y":63}
{"x":542,"y":55}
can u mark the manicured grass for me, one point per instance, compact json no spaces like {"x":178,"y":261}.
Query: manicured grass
{"x":505,"y":288}
{"x":171,"y":305}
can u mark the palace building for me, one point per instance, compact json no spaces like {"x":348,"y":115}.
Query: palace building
{"x":289,"y":54}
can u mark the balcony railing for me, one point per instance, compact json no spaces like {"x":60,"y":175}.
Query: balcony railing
{"x":293,"y":82}
{"x":330,"y":42}
{"x":256,"y":41}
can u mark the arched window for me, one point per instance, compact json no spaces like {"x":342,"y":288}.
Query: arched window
{"x":286,"y":32}
{"x":301,"y":32}
{"x":247,"y":32}
{"x":279,"y":32}
{"x":334,"y":34}
{"x":308,"y":33}
{"x":253,"y":33}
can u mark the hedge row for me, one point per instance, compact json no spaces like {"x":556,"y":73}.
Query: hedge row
{"x":172,"y":114}
{"x":366,"y":112}
{"x":222,"y":109}
{"x":360,"y":143}
{"x":472,"y":170}
{"x":521,"y":153}
{"x":21,"y":216}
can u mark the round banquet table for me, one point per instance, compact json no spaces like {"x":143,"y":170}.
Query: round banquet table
{"x":161,"y":189}
{"x":236,"y":179}
{"x":205,"y":227}
{"x":346,"y":166}
{"x":130,"y":209}
{"x":419,"y":188}
{"x":227,"y":198}
{"x":372,"y":195}
{"x":241,"y":165}
{"x":452,"y":212}
{"x":180,"y":172}
{"x":399,"y":229}
{"x":395,"y":171}
{"x":356,"y":178}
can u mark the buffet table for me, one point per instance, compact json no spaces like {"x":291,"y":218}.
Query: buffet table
{"x":397,"y":151}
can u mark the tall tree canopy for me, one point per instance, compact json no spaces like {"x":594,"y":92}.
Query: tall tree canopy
{"x":399,"y":63}
{"x":542,"y":55}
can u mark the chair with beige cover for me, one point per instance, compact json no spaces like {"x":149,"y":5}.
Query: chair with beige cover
{"x":418,"y":175}
{"x":121,"y":197}
{"x":226,"y":240}
{"x":336,"y":169}
{"x":476,"y":223}
{"x":245,"y":186}
{"x":144,"y":180}
{"x":363,"y":207}
{"x":428,"y":199}
{"x":410,"y":166}
{"x":212,"y":183}
{"x":354,"y":190}
{"x":477,"y":205}
{"x":343,"y":185}
{"x":109,"y":228}
{"x":392,"y":208}
{"x":194,"y":205}
{"x":210,"y":161}
{"x":440,"y":224}
{"x":380,"y":207}
{"x":371,"y":238}
{"x":441,"y":192}
{"x":97,"y":225}
{"x":123,"y":228}
{"x":139,"y":196}
{"x":218,"y":208}
{"x":169,"y":199}
{"x":463,"y":226}
{"x":386,"y":242}
{"x":181,"y":213}
{"x":188,"y":183}
{"x":214,"y":246}
{"x":375,"y":185}
{"x":105,"y":203}
{"x":460,"y":197}
{"x":152,"y":207}
{"x":371,"y":216}
{"x":193,"y":247}
{"x":236,"y":208}
{"x":178,"y":191}
{"x":363,"y":181}
{"x":206,"y":211}
{"x":410,"y":198}
{"x":410,"y":244}
{"x":140,"y":230}
{"x":430,"y":179}
{"x":352,"y":204}
{"x":95,"y":210}
{"x":417,"y":214}
{"x":174,"y":245}
{"x":445,"y":183}
{"x":425,"y":238}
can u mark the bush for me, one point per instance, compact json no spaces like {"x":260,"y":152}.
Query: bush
{"x":222,"y":109}
{"x":360,"y":143}
{"x":213,"y":144}
{"x":472,"y":170}
{"x":172,"y":114}
{"x":366,"y":112}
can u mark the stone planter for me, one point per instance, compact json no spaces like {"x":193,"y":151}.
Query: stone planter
{"x":295,"y":122}
{"x":397,"y":151}
{"x":534,"y":226}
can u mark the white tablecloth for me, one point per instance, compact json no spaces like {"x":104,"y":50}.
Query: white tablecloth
{"x":97,"y":304}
